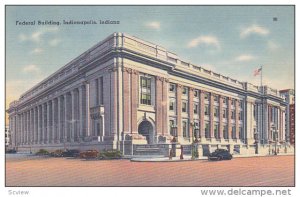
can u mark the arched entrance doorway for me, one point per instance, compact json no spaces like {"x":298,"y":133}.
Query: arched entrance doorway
{"x":146,"y":129}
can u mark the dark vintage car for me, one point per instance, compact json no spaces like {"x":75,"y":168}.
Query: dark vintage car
{"x":89,"y":154}
{"x":70,"y":153}
{"x":57,"y":153}
{"x":11,"y":151}
{"x":220,"y":154}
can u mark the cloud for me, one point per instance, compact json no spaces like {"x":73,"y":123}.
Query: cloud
{"x":254,"y":29}
{"x":153,"y":25}
{"x":205,"y":40}
{"x":272,"y":46}
{"x":244,"y":58}
{"x":37,"y":51}
{"x":54,"y":42}
{"x":37,"y":35}
{"x":31,"y":68}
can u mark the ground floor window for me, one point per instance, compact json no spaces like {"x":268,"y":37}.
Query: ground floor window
{"x":184,"y":128}
{"x":207,"y":130}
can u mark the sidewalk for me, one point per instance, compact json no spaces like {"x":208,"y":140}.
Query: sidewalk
{"x":188,"y":158}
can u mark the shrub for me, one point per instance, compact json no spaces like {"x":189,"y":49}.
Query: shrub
{"x":42,"y":152}
{"x":110,"y":154}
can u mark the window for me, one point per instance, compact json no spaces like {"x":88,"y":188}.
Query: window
{"x":232,"y":102}
{"x":196,"y":108}
{"x":171,"y":124}
{"x":196,"y":93}
{"x":241,"y":104}
{"x":225,"y":100}
{"x":216,"y":131}
{"x":206,"y":96}
{"x":184,"y":106}
{"x":216,"y":98}
{"x":254,"y":111}
{"x":172,"y":87}
{"x":172,"y":105}
{"x":233,"y":132}
{"x":206,"y":129}
{"x":224,"y":113}
{"x":232,"y":114}
{"x":145,"y":91}
{"x":184,"y":128}
{"x":184,"y":90}
{"x":216,"y":112}
{"x":196,"y":132}
{"x":206,"y":110}
{"x":240,"y":115}
{"x":241,"y":133}
{"x":225,"y":132}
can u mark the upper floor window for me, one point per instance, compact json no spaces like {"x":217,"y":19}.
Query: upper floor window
{"x":216,"y":98}
{"x":184,"y":90}
{"x":206,"y":110}
{"x":171,"y":105}
{"x":145,"y":89}
{"x":196,"y":93}
{"x":225,"y":113}
{"x":172,"y":87}
{"x":216,"y":112}
{"x":206,"y":96}
{"x":184,"y":106}
{"x":225,"y":100}
{"x":196,"y":108}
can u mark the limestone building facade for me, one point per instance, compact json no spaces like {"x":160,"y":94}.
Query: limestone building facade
{"x":126,"y":91}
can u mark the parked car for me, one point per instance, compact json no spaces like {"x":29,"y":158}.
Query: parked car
{"x":220,"y":154}
{"x":70,"y":153}
{"x":89,"y":154}
{"x":56,"y":153}
{"x":11,"y":151}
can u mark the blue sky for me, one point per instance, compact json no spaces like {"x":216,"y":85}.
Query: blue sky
{"x":231,"y":40}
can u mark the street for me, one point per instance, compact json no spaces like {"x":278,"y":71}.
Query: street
{"x":255,"y":171}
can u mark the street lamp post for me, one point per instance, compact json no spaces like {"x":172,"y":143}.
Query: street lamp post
{"x":276,"y":138}
{"x":256,"y":142}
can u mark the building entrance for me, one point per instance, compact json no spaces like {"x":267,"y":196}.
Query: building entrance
{"x":146,"y":129}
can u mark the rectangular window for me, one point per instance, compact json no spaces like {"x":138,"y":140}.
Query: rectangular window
{"x":196,"y":131}
{"x":241,"y":132}
{"x":206,"y":110}
{"x":206,"y":96}
{"x":171,"y":125}
{"x":172,"y":87}
{"x":216,"y":112}
{"x":241,"y":104}
{"x":145,"y":89}
{"x":206,"y":129}
{"x":216,"y":98}
{"x":184,"y":106}
{"x":232,"y":102}
{"x":225,"y":132}
{"x":254,"y":111}
{"x":240,"y":115}
{"x":196,"y":106}
{"x":225,"y":100}
{"x":216,"y":131}
{"x":184,"y":90}
{"x":224,"y":113}
{"x":184,"y":128}
{"x":232,"y":114}
{"x":196,"y":93}
{"x":172,"y":105}
{"x":233,"y":132}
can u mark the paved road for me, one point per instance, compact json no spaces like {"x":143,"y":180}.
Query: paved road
{"x":258,"y":171}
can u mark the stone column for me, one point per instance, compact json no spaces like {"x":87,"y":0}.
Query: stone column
{"x":35,"y":125}
{"x":53,"y":122}
{"x":73,"y":118}
{"x":229,"y":127}
{"x":87,"y":111}
{"x":59,"y":123}
{"x":211,"y":117}
{"x":237,"y":111}
{"x":81,"y":108}
{"x":158,"y":105}
{"x":134,"y":100}
{"x":179,"y":110}
{"x":221,"y":117}
{"x":32,"y":126}
{"x":191,"y":113}
{"x":165,"y":107}
{"x":66,"y":119}
{"x":40,"y":124}
{"x":269,"y":107}
{"x":48,"y":122}
{"x":202,"y":110}
{"x":126,"y":99}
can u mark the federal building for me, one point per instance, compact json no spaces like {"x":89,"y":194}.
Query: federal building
{"x":126,"y":93}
